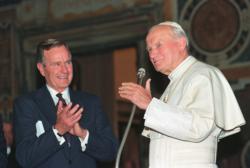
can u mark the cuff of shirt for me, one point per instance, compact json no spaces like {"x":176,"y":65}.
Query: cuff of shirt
{"x":59,"y":138}
{"x":84,"y":141}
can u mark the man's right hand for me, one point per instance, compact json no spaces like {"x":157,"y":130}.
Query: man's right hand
{"x":137,"y":94}
{"x":67,"y":117}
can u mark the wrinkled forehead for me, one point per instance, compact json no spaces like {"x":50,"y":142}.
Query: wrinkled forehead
{"x":159,"y":32}
{"x":57,"y":52}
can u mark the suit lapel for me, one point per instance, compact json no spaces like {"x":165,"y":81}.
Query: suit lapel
{"x":79,"y":98}
{"x":73,"y":97}
{"x":46,"y":104}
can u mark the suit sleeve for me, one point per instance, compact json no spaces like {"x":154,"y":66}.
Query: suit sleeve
{"x":31,"y":149}
{"x":3,"y":150}
{"x":192,"y":119}
{"x":102,"y":144}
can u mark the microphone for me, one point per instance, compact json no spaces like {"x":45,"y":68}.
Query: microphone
{"x":140,"y":75}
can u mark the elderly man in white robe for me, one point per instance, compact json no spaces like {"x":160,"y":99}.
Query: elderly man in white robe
{"x":197,"y":108}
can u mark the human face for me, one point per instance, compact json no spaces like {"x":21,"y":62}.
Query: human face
{"x":165,"y":50}
{"x":57,"y":68}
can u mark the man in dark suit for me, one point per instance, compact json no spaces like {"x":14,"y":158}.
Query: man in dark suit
{"x":3,"y":149}
{"x":62,"y":130}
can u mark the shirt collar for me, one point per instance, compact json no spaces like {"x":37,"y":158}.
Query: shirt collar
{"x":181,"y":68}
{"x":53,"y":92}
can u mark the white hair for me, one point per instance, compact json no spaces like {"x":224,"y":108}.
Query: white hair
{"x":176,"y":28}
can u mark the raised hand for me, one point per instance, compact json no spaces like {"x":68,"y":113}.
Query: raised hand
{"x":67,"y":117}
{"x":135,"y":93}
{"x":78,"y":131}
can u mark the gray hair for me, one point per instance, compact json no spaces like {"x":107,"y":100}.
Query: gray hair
{"x":176,"y":29}
{"x":46,"y":45}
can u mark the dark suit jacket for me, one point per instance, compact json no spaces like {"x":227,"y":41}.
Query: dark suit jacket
{"x":3,"y":149}
{"x":44,"y":151}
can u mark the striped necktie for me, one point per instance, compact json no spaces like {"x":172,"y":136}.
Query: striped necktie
{"x":60,"y":98}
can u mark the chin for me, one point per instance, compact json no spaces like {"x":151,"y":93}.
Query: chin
{"x":157,"y":68}
{"x":63,"y":85}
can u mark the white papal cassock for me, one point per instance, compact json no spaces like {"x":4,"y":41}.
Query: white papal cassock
{"x":197,"y":109}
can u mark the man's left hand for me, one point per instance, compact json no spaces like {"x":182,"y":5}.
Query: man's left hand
{"x":78,"y":131}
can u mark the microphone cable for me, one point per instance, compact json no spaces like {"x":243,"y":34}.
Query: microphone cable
{"x":140,"y":74}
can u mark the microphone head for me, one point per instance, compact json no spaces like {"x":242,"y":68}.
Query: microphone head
{"x":141,"y":73}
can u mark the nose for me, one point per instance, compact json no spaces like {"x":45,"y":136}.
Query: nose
{"x":64,"y":68}
{"x":152,"y":53}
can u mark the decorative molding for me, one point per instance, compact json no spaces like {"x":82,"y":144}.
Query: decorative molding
{"x":218,"y":29}
{"x":100,"y":32}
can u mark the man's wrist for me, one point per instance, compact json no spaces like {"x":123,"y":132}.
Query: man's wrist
{"x":58,"y":132}
{"x":84,"y":141}
{"x":59,"y":137}
{"x":84,"y":133}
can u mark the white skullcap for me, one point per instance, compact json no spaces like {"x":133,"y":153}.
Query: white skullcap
{"x":172,"y":24}
{"x":176,"y":28}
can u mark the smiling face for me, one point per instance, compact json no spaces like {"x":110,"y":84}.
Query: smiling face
{"x":166,"y":51}
{"x":57,"y":67}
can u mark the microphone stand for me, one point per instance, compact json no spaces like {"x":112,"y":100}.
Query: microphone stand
{"x":127,"y":129}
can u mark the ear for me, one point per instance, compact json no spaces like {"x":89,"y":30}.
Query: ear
{"x":182,"y":43}
{"x":40,"y":67}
